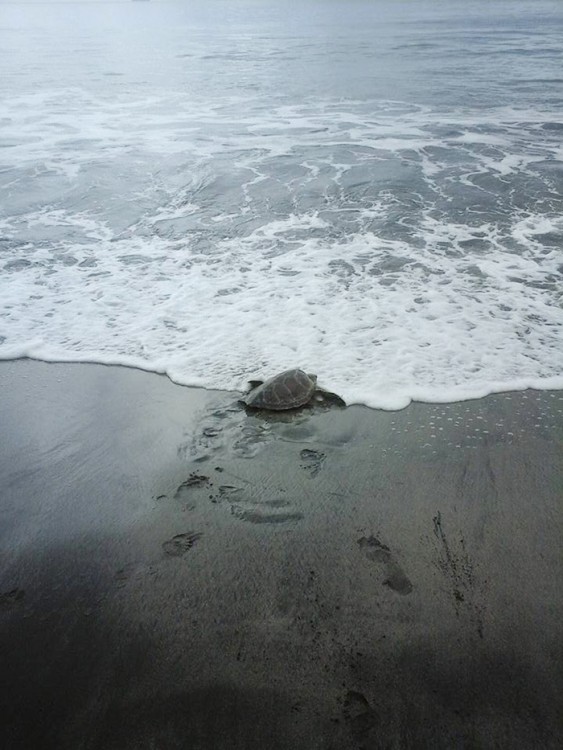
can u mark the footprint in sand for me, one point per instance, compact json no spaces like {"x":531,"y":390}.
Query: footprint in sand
{"x":312,"y":461}
{"x":123,"y":574}
{"x":184,"y":492}
{"x":358,"y":714}
{"x":181,"y":543}
{"x":194,"y":481}
{"x":378,"y":552}
{"x":11,"y":598}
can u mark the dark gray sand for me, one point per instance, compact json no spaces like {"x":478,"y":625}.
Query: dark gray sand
{"x":177,"y":574}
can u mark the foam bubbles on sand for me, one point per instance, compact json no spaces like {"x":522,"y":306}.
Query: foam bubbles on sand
{"x":397,"y":252}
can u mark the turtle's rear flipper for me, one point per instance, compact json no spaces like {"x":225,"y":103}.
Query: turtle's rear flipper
{"x":252,"y":384}
{"x":332,"y":398}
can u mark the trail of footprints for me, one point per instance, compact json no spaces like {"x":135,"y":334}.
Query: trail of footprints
{"x":272,"y":511}
{"x":242,"y":505}
{"x":277,"y":510}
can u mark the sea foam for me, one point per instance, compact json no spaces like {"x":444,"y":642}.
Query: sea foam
{"x":394,"y":250}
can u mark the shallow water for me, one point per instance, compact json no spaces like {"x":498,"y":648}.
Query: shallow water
{"x":219,"y":191}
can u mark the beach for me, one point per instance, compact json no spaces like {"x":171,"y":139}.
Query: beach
{"x":177,"y":573}
{"x":194,"y":194}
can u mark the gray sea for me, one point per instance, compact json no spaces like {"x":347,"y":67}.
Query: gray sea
{"x":219,"y":190}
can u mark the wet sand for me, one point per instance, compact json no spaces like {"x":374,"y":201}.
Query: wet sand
{"x":177,"y":574}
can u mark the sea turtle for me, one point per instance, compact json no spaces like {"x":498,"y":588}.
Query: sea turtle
{"x":288,"y":390}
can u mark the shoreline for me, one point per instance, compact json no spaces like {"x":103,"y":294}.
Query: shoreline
{"x":393,"y":401}
{"x":173,"y":569}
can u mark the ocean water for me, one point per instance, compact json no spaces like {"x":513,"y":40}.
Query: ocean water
{"x":219,"y":190}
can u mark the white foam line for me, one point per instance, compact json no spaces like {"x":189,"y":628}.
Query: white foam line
{"x":378,"y":291}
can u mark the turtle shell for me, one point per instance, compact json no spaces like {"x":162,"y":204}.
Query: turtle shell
{"x":288,"y":390}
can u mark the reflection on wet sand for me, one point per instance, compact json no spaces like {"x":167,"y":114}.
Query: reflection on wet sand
{"x":187,"y":573}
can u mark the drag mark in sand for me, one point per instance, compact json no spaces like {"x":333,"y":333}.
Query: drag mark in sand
{"x":248,"y":504}
{"x":229,"y":490}
{"x":378,"y":552}
{"x":181,"y":543}
{"x":273,"y":511}
{"x":459,"y":568}
{"x":225,"y":492}
{"x":227,"y":428}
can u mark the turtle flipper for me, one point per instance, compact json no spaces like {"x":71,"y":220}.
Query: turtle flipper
{"x":333,"y":398}
{"x":252,"y":384}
